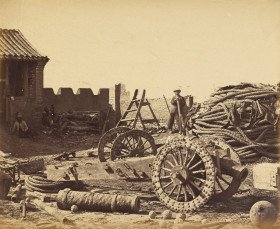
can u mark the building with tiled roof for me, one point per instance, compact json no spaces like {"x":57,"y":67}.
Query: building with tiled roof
{"x":14,"y":46}
{"x":21,"y":77}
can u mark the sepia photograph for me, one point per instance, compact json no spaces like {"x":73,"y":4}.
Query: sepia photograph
{"x":139,"y":114}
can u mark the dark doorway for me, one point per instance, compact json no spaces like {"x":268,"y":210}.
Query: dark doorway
{"x":16,"y":78}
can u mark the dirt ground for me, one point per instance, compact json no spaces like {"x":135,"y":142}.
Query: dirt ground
{"x":234,"y":210}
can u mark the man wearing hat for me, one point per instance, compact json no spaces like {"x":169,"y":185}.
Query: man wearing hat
{"x":20,"y":127}
{"x":176,"y":100}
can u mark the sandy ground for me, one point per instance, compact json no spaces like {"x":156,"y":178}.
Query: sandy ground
{"x":234,"y":210}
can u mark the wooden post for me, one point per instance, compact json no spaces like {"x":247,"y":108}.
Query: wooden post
{"x":118,"y":102}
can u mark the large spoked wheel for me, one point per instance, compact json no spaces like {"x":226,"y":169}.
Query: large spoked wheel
{"x":106,"y":142}
{"x":226,"y":181}
{"x":133,"y":143}
{"x":183,"y":176}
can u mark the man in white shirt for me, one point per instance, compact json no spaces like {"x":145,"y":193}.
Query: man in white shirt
{"x":20,"y":127}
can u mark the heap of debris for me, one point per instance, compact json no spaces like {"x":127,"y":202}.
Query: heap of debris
{"x":245,"y":116}
{"x":78,"y":121}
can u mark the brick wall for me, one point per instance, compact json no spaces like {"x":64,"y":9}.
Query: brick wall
{"x":31,"y":82}
{"x":84,"y":100}
{"x":64,"y":100}
{"x":30,"y":105}
{"x":39,"y":80}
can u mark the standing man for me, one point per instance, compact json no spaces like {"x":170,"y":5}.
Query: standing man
{"x":176,"y":101}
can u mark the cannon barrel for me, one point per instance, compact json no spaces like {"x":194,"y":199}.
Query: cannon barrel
{"x":97,"y":201}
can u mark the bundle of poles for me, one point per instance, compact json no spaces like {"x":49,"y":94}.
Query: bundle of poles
{"x":244,"y":116}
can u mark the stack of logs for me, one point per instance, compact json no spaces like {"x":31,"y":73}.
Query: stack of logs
{"x":245,"y":117}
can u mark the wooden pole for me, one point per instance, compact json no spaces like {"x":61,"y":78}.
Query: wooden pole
{"x":53,"y":212}
{"x":118,"y":102}
{"x":166,"y":104}
{"x":106,"y":120}
{"x":181,"y":121}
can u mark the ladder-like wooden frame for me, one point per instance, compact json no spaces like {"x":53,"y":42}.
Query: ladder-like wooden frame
{"x":138,"y":103}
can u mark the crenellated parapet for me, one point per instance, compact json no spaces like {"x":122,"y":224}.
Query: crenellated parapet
{"x":83,"y":100}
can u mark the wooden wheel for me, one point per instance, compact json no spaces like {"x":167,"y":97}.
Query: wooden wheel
{"x":133,"y":143}
{"x":227,"y":182}
{"x":183,"y":176}
{"x":106,"y":142}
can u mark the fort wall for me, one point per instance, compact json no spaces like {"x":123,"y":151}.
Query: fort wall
{"x":84,"y":100}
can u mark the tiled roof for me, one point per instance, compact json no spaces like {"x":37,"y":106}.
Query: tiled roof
{"x":13,"y":45}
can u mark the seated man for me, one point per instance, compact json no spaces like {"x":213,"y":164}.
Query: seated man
{"x":20,"y":127}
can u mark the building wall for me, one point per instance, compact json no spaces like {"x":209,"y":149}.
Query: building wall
{"x":120,"y":91}
{"x":31,"y":111}
{"x":119,"y":99}
{"x":84,"y":100}
{"x":64,"y":100}
{"x":30,"y":104}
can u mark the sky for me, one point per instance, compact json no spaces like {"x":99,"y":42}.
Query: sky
{"x":159,"y":45}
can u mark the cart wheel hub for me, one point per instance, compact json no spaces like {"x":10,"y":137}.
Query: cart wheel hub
{"x":136,"y":153}
{"x":180,"y":175}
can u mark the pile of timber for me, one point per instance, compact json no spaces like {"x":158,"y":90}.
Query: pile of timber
{"x":80,"y":121}
{"x":245,"y":116}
